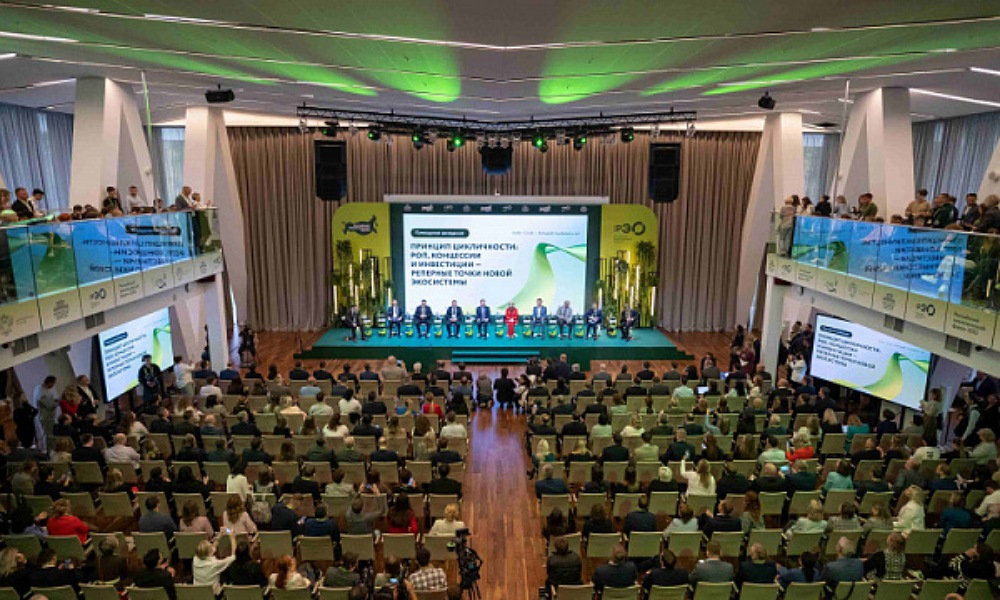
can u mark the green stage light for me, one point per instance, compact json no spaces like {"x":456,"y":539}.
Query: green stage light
{"x":374,"y":134}
{"x":544,"y":147}
{"x":457,"y":140}
{"x":579,"y":142}
{"x":538,"y":140}
{"x":627,"y":135}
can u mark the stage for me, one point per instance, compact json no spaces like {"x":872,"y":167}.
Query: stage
{"x":647,"y":344}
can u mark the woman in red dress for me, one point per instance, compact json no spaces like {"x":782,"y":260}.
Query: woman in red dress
{"x":510,"y":318}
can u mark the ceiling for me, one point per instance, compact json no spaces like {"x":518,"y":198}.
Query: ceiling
{"x":510,"y":59}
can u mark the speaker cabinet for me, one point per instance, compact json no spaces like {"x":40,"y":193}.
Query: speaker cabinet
{"x":664,"y":172}
{"x":331,"y":169}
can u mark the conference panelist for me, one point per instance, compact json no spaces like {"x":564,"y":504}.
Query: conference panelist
{"x":483,"y":319}
{"x":510,"y":317}
{"x":630,"y":318}
{"x":352,"y":319}
{"x":394,"y":317}
{"x":594,"y":317}
{"x":538,"y":315}
{"x":453,"y":319}
{"x":564,"y":317}
{"x":422,"y":318}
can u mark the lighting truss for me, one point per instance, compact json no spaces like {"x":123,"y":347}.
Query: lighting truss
{"x":515,"y":130}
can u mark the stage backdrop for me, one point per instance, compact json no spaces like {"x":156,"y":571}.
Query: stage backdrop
{"x":289,"y":254}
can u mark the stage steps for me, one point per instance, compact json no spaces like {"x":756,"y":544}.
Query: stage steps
{"x":498,"y":355}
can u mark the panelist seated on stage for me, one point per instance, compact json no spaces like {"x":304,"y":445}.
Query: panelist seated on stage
{"x":564,"y":319}
{"x":394,"y":316}
{"x":453,"y":319}
{"x":510,"y":319}
{"x":539,"y":315}
{"x":423,"y":316}
{"x":630,"y":318}
{"x":352,"y":319}
{"x":482,"y":319}
{"x":593,"y":317}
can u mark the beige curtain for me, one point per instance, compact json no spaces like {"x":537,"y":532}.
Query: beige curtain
{"x":289,"y":236}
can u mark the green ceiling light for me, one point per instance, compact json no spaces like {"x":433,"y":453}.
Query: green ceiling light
{"x":627,"y":134}
{"x":457,"y":141}
{"x":374,"y":134}
{"x":538,"y":140}
{"x":580,"y":141}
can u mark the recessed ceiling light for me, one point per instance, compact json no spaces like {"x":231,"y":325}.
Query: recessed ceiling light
{"x":806,"y":111}
{"x":944,"y":50}
{"x":50,"y":83}
{"x":820,"y":29}
{"x":176,"y":19}
{"x":955,"y":98}
{"x":36,"y":38}
{"x":79,"y":9}
{"x":985,"y":71}
{"x":8,"y":56}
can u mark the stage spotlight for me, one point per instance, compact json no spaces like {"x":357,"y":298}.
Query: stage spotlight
{"x":654,"y":132}
{"x":450,"y":145}
{"x":627,"y":135}
{"x":352,"y":129}
{"x":538,"y":140}
{"x":690,"y":131}
{"x":418,"y":140}
{"x":766,"y":102}
{"x":579,"y":141}
{"x":457,"y":141}
{"x":330,"y":129}
{"x":303,"y":126}
{"x":374,"y":134}
{"x":544,"y":147}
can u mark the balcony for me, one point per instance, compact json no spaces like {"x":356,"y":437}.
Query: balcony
{"x":943,"y":280}
{"x":56,"y":272}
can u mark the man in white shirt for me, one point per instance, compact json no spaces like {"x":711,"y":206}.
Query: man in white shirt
{"x":349,"y":404}
{"x":453,"y":429}
{"x":683,"y":390}
{"x":992,"y":497}
{"x":134,"y":200}
{"x":121,"y":452}
{"x":183,"y":372}
{"x":309,"y":390}
{"x":210,"y":389}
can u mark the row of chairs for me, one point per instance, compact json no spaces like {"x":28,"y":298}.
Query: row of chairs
{"x":883,"y":590}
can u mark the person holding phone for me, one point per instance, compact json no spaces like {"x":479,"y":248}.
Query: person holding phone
{"x":207,"y":569}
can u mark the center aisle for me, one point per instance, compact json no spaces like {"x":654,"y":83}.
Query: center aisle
{"x":500,"y":509}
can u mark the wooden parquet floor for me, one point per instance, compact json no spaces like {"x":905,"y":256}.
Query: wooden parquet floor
{"x":499,"y":503}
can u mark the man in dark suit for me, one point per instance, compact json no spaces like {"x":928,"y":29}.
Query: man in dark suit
{"x":574,"y":427}
{"x":640,"y":519}
{"x":593,"y":317}
{"x":673,"y":374}
{"x":394,"y":318}
{"x":546,"y":485}
{"x":444,"y":484}
{"x":422,"y":318}
{"x":442,"y":374}
{"x":713,"y":569}
{"x":154,"y":574}
{"x":770,"y":480}
{"x":630,"y":318}
{"x":244,"y":426}
{"x":724,"y":521}
{"x":539,"y":315}
{"x":444,"y":455}
{"x":384,"y":454}
{"x":367,"y":374}
{"x":163,"y":424}
{"x":23,"y":206}
{"x":453,"y":319}
{"x":619,"y":572}
{"x":635,"y":389}
{"x":298,"y":373}
{"x":304,"y":484}
{"x":367,"y":428}
{"x":615,"y":452}
{"x":321,"y":374}
{"x":483,"y":319}
{"x":284,"y":517}
{"x":352,"y":319}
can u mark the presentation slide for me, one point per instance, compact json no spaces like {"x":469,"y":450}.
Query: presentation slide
{"x":123,"y":347}
{"x":870,"y":362}
{"x":500,"y":258}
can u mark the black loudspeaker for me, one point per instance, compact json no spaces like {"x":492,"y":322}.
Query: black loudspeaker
{"x":331,"y":169}
{"x":497,"y":161}
{"x":664,"y":172}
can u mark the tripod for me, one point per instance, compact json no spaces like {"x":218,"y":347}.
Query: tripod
{"x":469,"y":565}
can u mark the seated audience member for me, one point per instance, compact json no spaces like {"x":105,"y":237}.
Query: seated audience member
{"x":287,"y":576}
{"x":846,"y":568}
{"x":563,"y":566}
{"x":847,"y":520}
{"x":666,"y":573}
{"x":713,"y":569}
{"x":806,"y":572}
{"x":449,"y":524}
{"x":62,"y":522}
{"x":49,"y":574}
{"x":427,"y":577}
{"x":889,"y":563}
{"x":639,"y":519}
{"x":156,"y":573}
{"x":757,"y":568}
{"x":156,"y":519}
{"x":724,"y":521}
{"x":244,"y":570}
{"x":619,"y":572}
{"x":547,"y":485}
{"x":955,"y":515}
{"x":911,"y":515}
{"x":343,"y":574}
{"x":444,"y":484}
{"x":685,"y":522}
{"x":206,"y":568}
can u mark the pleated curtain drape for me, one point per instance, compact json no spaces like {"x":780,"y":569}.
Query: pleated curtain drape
{"x":289,"y":237}
{"x":951,"y":155}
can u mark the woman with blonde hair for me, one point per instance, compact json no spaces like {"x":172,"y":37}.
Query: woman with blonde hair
{"x":543,"y":454}
{"x":829,"y":423}
{"x":812,"y":522}
{"x":206,"y":568}
{"x":802,"y":448}
{"x":634,"y":427}
{"x":700,"y":481}
{"x":911,"y":515}
{"x":14,"y":571}
{"x":61,"y":522}
{"x":287,"y":577}
{"x":449,"y":524}
{"x":889,"y":563}
{"x":236,"y":519}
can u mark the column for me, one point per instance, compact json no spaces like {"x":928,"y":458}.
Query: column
{"x":771,"y":325}
{"x":109,"y":146}
{"x":215,"y":319}
{"x":208,"y":169}
{"x":779,"y":173}
{"x":877,"y":152}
